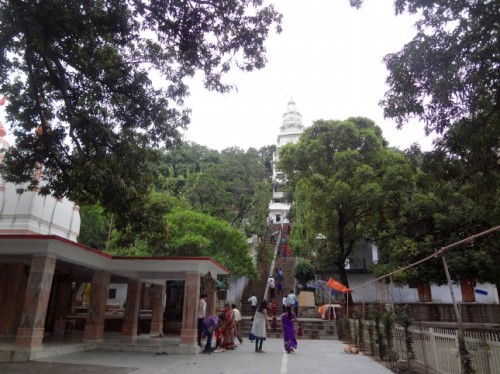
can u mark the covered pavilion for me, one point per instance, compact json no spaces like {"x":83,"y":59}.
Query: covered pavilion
{"x":36,"y":276}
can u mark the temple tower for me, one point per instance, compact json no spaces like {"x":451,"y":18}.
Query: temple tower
{"x":290,"y":131}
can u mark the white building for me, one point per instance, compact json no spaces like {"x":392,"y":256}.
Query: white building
{"x":290,"y":131}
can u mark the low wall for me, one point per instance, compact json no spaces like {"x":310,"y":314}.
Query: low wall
{"x":437,"y":312}
{"x":477,"y":313}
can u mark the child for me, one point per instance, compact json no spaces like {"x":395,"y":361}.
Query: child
{"x":219,"y":336}
{"x":274,"y":323}
{"x":300,"y":332}
{"x":272,"y":307}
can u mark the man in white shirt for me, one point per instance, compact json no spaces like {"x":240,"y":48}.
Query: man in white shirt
{"x":237,"y":321}
{"x":253,"y":301}
{"x":202,"y":311}
{"x":271,"y":285}
{"x":284,"y":304}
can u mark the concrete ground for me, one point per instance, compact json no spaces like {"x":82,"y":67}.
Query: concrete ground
{"x":311,"y":357}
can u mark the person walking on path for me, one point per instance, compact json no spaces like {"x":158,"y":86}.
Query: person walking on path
{"x":253,"y":302}
{"x":292,"y":301}
{"x":283,"y":302}
{"x":279,"y":287}
{"x":237,"y":321}
{"x":229,"y":328}
{"x":287,"y":323}
{"x":272,"y":286}
{"x":260,"y":323}
{"x":209,"y":325}
{"x":202,"y":311}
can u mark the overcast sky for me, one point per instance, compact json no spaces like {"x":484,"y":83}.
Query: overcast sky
{"x":328,"y":59}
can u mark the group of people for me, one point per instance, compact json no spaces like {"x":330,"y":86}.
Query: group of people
{"x":283,"y":249}
{"x":260,"y":321}
{"x":224,"y":326}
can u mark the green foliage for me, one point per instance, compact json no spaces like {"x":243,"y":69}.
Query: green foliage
{"x":234,"y":189}
{"x":371,"y":336}
{"x":448,"y":73}
{"x":94,"y":227}
{"x":304,"y":272}
{"x":465,"y":358}
{"x":360,"y":327}
{"x":344,"y":328}
{"x":403,"y":318}
{"x":345,"y":179}
{"x":266,"y":254}
{"x":388,"y":322}
{"x":446,"y":205}
{"x":232,"y":185}
{"x":82,"y":73}
{"x":447,"y":76}
{"x":196,"y":234}
{"x":376,"y":316}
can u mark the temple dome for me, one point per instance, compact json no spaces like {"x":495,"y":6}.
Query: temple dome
{"x":29,"y":213}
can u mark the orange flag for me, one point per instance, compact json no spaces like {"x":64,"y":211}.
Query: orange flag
{"x":337,"y":285}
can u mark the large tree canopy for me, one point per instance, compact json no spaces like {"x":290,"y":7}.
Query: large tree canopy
{"x":197,"y":234}
{"x":234,"y":189}
{"x":448,"y":76}
{"x":450,"y":71}
{"x":446,"y":206}
{"x":344,"y":178}
{"x":103,"y":82}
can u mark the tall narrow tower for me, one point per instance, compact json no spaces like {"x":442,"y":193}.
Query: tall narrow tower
{"x":290,"y":131}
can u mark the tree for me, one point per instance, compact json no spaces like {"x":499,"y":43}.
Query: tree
{"x":344,"y":178}
{"x":235,"y":189}
{"x":103,"y":84}
{"x":443,"y":208}
{"x":449,"y":72}
{"x":94,"y":228}
{"x":304,"y":272}
{"x":196,"y":234}
{"x":448,"y":76}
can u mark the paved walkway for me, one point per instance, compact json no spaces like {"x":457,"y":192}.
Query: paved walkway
{"x":312,"y":357}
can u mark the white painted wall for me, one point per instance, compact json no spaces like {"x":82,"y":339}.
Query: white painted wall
{"x":380,"y":291}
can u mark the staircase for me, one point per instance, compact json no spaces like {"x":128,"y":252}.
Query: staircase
{"x":255,"y":287}
{"x":288,"y":282}
{"x":313,"y":328}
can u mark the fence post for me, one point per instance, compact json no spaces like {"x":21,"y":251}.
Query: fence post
{"x":434,"y":350}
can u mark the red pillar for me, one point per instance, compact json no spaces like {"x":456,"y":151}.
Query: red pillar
{"x":189,"y":329}
{"x":36,"y":299}
{"x":132,"y":305}
{"x":158,"y":307}
{"x":94,"y":328}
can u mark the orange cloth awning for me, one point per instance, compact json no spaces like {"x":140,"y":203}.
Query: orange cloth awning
{"x":332,"y":283}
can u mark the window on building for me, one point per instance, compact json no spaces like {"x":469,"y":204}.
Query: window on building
{"x":222,"y":294}
{"x":278,"y":218}
{"x":112,"y":293}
